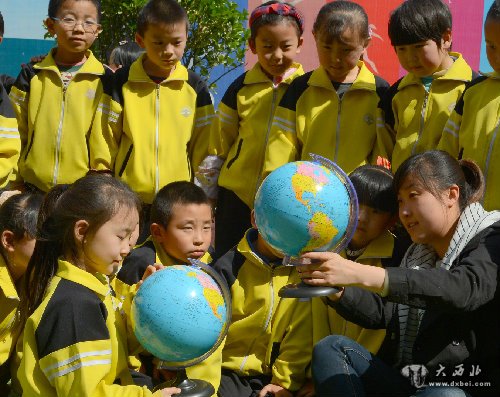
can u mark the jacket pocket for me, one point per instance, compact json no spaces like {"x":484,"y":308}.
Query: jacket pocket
{"x":230,"y":162}
{"x":125,"y":161}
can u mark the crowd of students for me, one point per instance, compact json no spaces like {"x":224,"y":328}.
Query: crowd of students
{"x":95,"y":158}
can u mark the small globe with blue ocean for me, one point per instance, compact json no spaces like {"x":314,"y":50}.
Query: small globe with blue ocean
{"x":306,"y":206}
{"x":180,"y":314}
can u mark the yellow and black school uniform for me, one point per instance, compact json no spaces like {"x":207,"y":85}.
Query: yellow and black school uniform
{"x":313,"y":118}
{"x":149,"y":133}
{"x":76,"y":341}
{"x":240,"y":139}
{"x":10,"y":141}
{"x":55,"y":120}
{"x":415,"y":116}
{"x":472,"y":133}
{"x":9,"y":302}
{"x":269,"y":339}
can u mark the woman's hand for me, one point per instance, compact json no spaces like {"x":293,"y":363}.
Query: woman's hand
{"x":330,"y":269}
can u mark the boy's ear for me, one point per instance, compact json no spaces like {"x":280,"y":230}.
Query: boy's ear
{"x":251,"y":44}
{"x":7,"y":239}
{"x":446,"y":39}
{"x":49,"y":24}
{"x":139,"y":40}
{"x":156,"y":230}
{"x":80,"y":230}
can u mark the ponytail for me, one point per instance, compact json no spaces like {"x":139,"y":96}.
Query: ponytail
{"x":473,"y":189}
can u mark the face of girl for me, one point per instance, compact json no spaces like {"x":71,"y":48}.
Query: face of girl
{"x":104,"y":251}
{"x":340,"y":56}
{"x":492,"y":38}
{"x":76,"y":28}
{"x":425,"y":57}
{"x":427,"y":218}
{"x":371,"y":224}
{"x":276,"y":47}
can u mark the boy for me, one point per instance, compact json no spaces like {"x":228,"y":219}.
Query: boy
{"x":10,"y":142}
{"x":181,"y":229}
{"x":417,"y":106}
{"x":472,"y":128}
{"x":152,"y":126}
{"x":269,"y":343}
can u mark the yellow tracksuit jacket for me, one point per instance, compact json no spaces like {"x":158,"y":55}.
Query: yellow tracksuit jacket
{"x":245,"y":115}
{"x":311,"y":118}
{"x":472,"y":133}
{"x":415,"y":117}
{"x":54,"y":122}
{"x":75,"y":343}
{"x":152,"y":134}
{"x":10,"y":141}
{"x":268,"y":335}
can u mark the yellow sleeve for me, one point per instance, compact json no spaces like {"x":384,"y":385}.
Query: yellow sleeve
{"x":386,"y":138}
{"x":284,"y":145}
{"x":449,"y":138}
{"x":107,"y":130}
{"x":10,"y":140}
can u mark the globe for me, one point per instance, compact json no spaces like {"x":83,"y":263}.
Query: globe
{"x":306,"y":206}
{"x":180,"y":314}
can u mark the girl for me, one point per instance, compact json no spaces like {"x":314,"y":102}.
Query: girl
{"x":18,"y":218}
{"x":440,"y":307}
{"x":418,"y":105}
{"x":331,"y":111}
{"x":74,"y":340}
{"x":238,"y":147}
{"x":55,"y":100}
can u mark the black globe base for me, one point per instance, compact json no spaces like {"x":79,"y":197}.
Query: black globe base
{"x":303,"y":290}
{"x":194,"y":388}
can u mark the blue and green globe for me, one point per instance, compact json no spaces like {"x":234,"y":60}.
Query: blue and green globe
{"x":306,"y":206}
{"x":180,"y":314}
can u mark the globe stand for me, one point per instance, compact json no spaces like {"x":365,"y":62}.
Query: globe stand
{"x":189,"y":387}
{"x":305,"y":291}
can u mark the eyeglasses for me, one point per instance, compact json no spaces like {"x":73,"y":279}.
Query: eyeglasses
{"x":69,"y":23}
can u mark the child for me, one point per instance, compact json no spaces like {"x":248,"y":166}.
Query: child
{"x":74,"y":340}
{"x":153,"y":126}
{"x":472,"y":129}
{"x":181,"y":229}
{"x":5,"y":80}
{"x":440,"y":307}
{"x":55,"y":100}
{"x":417,"y":106}
{"x":124,"y":55}
{"x":244,"y":116}
{"x":331,"y":110}
{"x":18,"y":219}
{"x":268,"y":345}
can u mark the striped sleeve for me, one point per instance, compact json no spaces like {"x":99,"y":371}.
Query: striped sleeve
{"x":10,"y":141}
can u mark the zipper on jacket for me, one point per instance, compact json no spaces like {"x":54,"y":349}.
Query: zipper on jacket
{"x":422,"y":120}
{"x":157,"y":138}
{"x":266,"y":324}
{"x":269,"y":125}
{"x":59,"y":137}
{"x":488,"y":157}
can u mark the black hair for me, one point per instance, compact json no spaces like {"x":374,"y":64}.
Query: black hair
{"x":94,"y":198}
{"x":180,"y":192}
{"x":373,"y":185}
{"x":437,"y":170}
{"x":2,"y":26}
{"x":273,"y":19}
{"x":168,"y":12}
{"x":494,"y":12}
{"x":125,"y":53}
{"x":49,"y":202}
{"x":419,"y":20}
{"x":338,"y":16}
{"x":19,"y":214}
{"x":55,"y":5}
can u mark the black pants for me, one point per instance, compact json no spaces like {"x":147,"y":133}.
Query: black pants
{"x":232,"y":385}
{"x":232,"y":219}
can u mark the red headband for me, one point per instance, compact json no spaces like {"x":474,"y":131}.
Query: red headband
{"x":278,"y":9}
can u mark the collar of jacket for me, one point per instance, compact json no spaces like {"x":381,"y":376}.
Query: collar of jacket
{"x":138,"y":74}
{"x":91,"y":65}
{"x":246,"y":247}
{"x":456,"y":72}
{"x":381,"y":247}
{"x":6,"y":281}
{"x":73,"y":273}
{"x":493,"y":75}
{"x":364,"y":81}
{"x":257,"y":76}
